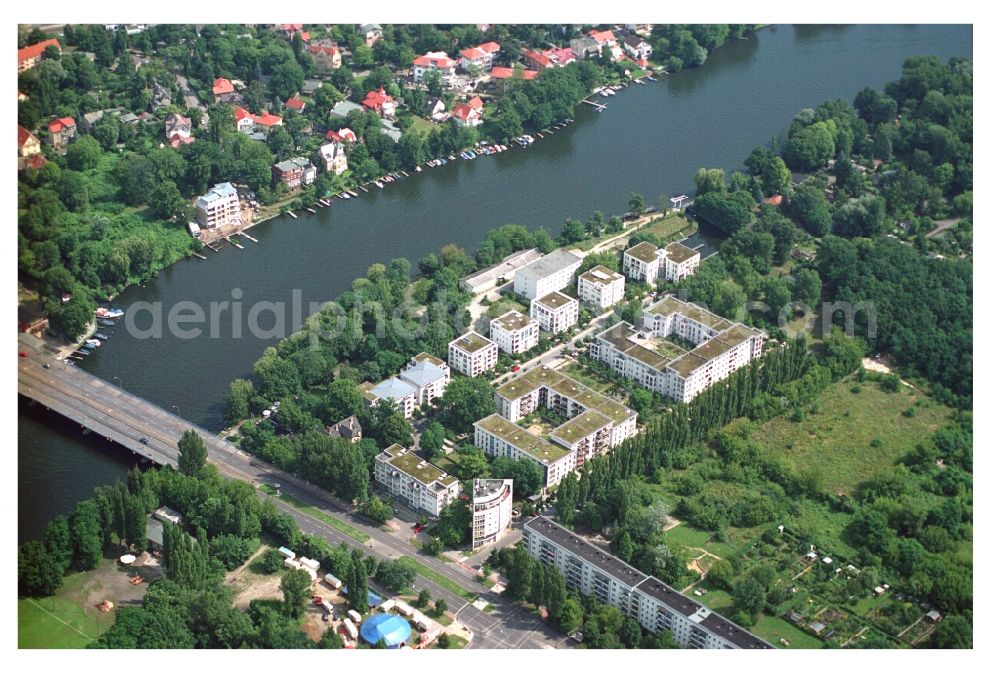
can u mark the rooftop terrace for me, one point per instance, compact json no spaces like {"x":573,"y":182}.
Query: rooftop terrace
{"x":644,"y":251}
{"x":524,"y":441}
{"x":471,"y":342}
{"x":513,"y":321}
{"x":416,"y":467}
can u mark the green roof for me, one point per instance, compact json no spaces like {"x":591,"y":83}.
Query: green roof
{"x":679,"y":253}
{"x":513,"y":320}
{"x":554,"y":300}
{"x":581,"y":426}
{"x":524,"y":441}
{"x":671,"y":304}
{"x":644,"y":251}
{"x":416,"y":467}
{"x":471,"y":342}
{"x":600,"y":275}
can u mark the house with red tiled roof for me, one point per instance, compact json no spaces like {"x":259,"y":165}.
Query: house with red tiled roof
{"x":536,"y":60}
{"x":244,"y":120}
{"x":343,"y":135}
{"x":381,"y":103}
{"x":481,"y":56}
{"x":266,"y":121}
{"x":296,"y":104}
{"x":325,"y":54}
{"x":774,"y":200}
{"x":61,"y":132}
{"x":466,"y":115}
{"x":35,"y":162}
{"x":27,"y":143}
{"x":221,"y":87}
{"x":502,"y":75}
{"x":434,"y":62}
{"x":607,"y":39}
{"x":560,"y":56}
{"x":29,"y":57}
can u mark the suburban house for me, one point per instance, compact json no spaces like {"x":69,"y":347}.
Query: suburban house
{"x":480,"y":57}
{"x":600,"y":287}
{"x":30,"y":56}
{"x":423,"y":485}
{"x":514,"y":332}
{"x":294,"y":172}
{"x":607,"y":39}
{"x":341,"y":109}
{"x":501,"y":75}
{"x":219,"y":206}
{"x":585,"y":47}
{"x":27,"y":143}
{"x":61,"y":132}
{"x":428,"y":375}
{"x":161,"y":97}
{"x":637,"y":48}
{"x":551,"y":272}
{"x":371,"y":32}
{"x":469,"y":114}
{"x":325,"y":54}
{"x":381,"y":103}
{"x":222,"y":90}
{"x":434,"y":62}
{"x":178,"y":130}
{"x":349,"y":428}
{"x":266,"y":121}
{"x":333,"y":157}
{"x":472,"y":354}
{"x":295,"y":103}
{"x":536,"y":60}
{"x":244,"y":120}
{"x":555,"y":312}
{"x":437,"y":111}
{"x":343,"y":135}
{"x":560,"y":56}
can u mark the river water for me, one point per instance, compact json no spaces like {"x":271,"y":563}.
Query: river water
{"x":651,"y":139}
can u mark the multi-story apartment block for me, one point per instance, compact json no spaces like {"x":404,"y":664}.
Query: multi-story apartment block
{"x":555,"y":312}
{"x":551,"y":272}
{"x":429,"y":377}
{"x":61,"y":132}
{"x":30,"y":56}
{"x":646,"y":263}
{"x":600,"y":287}
{"x":219,"y":206}
{"x":648,"y":357}
{"x":514,"y":332}
{"x":652,"y":603}
{"x":423,"y":485}
{"x":498,"y":437}
{"x":480,"y":57}
{"x":435,"y":62}
{"x":394,"y":389}
{"x":472,"y":354}
{"x":492,"y":501}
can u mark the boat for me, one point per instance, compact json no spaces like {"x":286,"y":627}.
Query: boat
{"x":639,"y":80}
{"x":310,"y":210}
{"x":604,"y":93}
{"x":292,"y":214}
{"x":101,"y":336}
{"x":651,"y":78}
{"x":418,"y":168}
{"x":108,"y":313}
{"x":352,"y":193}
{"x":84,"y":351}
{"x":92,"y":344}
{"x":345,"y":196}
{"x":105,"y":322}
{"x":378,"y":184}
{"x":611,"y":91}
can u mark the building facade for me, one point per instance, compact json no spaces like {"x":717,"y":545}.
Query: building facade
{"x":652,"y":603}
{"x":645,"y":263}
{"x":429,"y":377}
{"x":600,"y":287}
{"x":294,"y":173}
{"x":219,"y":206}
{"x":431,"y":62}
{"x":500,"y":438}
{"x":514,"y":332}
{"x":551,"y":272}
{"x":333,"y":157}
{"x":423,"y":485}
{"x":30,"y":56}
{"x":555,"y":312}
{"x":492,"y":501}
{"x":647,"y":357}
{"x":472,"y":354}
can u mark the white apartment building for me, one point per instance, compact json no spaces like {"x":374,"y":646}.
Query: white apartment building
{"x":219,"y":206}
{"x":648,"y":357}
{"x":652,"y":603}
{"x":423,"y":485}
{"x":492,"y":501}
{"x":435,"y":62}
{"x":514,"y":332}
{"x":500,"y":438}
{"x":600,"y":287}
{"x":394,"y":389}
{"x":555,"y":312}
{"x":551,"y":272}
{"x":472,"y":354}
{"x":428,"y":375}
{"x":646,"y":263}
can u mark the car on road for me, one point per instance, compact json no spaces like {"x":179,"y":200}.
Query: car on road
{"x":45,"y":365}
{"x":143,"y":440}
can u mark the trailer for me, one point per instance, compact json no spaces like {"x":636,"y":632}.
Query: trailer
{"x":327,"y":606}
{"x":351,"y":630}
{"x":333,"y":581}
{"x":309,"y":563}
{"x":354,"y":615}
{"x":293,"y":564}
{"x":288,"y":553}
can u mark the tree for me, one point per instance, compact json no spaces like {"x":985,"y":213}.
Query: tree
{"x":38,"y":573}
{"x":232,"y":550}
{"x":432,"y":439}
{"x":465,"y":401}
{"x":193,"y":453}
{"x":269,"y":562}
{"x":527,"y":475}
{"x":810,"y":147}
{"x":440,"y":607}
{"x":636,"y":204}
{"x":423,"y":598}
{"x":955,"y":631}
{"x":73,"y":191}
{"x":375,"y":509}
{"x":330,"y":640}
{"x":357,"y":582}
{"x":295,"y":585}
{"x":71,"y":318}
{"x":455,"y":524}
{"x":709,"y":180}
{"x":444,"y":641}
{"x":238,"y":398}
{"x":58,"y":543}
{"x":572,"y":232}
{"x":809,"y":207}
{"x":806,"y":288}
{"x":748,"y":595}
{"x":85,"y":532}
{"x":83,"y":154}
{"x":396,"y":575}
{"x":571,"y":617}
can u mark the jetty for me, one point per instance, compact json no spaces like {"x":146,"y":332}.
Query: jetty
{"x":310,"y":210}
{"x":213,"y":246}
{"x":292,"y":213}
{"x":405,"y":174}
{"x":234,"y":243}
{"x":195,"y":253}
{"x":600,"y":106}
{"x":352,"y":193}
{"x":252,"y":239}
{"x":363,"y":188}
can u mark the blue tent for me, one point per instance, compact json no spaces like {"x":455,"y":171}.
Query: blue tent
{"x":373,"y":598}
{"x":393,"y":629}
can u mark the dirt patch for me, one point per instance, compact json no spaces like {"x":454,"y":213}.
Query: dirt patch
{"x":248,"y":586}
{"x":110,"y":581}
{"x":879,"y":366}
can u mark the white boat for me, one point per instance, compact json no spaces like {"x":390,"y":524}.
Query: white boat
{"x":378,"y":184}
{"x":292,"y":214}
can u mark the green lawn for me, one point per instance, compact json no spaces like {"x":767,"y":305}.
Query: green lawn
{"x":332,"y":521}
{"x":687,"y":536}
{"x":836,"y":442}
{"x":668,"y":228}
{"x":63,"y":620}
{"x":773,"y":629}
{"x":438,"y":578}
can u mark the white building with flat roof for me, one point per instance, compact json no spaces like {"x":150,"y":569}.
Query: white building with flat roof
{"x":653,"y":604}
{"x":472,"y":354}
{"x":514,"y":332}
{"x":219,"y":206}
{"x":551,"y":272}
{"x":492,"y":501}
{"x":428,"y":375}
{"x":393,"y":389}
{"x":500,"y":438}
{"x":600,"y":287}
{"x":646,"y":263}
{"x":423,"y":485}
{"x":555,"y":312}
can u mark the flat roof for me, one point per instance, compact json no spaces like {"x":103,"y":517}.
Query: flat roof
{"x":644,"y":251}
{"x":734,"y":633}
{"x":471,"y":342}
{"x":513,"y":321}
{"x":523,"y":440}
{"x":549,"y":264}
{"x":554,"y":300}
{"x":606,"y":563}
{"x":671,"y":305}
{"x":601,"y":275}
{"x":581,"y":427}
{"x":427,"y":356}
{"x":679,"y":253}
{"x":416,"y":467}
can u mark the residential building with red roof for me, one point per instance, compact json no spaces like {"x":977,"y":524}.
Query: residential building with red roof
{"x":481,"y":56}
{"x":466,"y":115}
{"x":536,"y":60}
{"x":326,"y":54}
{"x":267,"y":120}
{"x":177,"y":125}
{"x":21,"y":96}
{"x":35,"y":162}
{"x":372,"y":33}
{"x":607,"y":39}
{"x":27,"y":143}
{"x":381,"y":103}
{"x":343,"y":135}
{"x":295,"y":103}
{"x":502,"y":75}
{"x":560,"y":56}
{"x":434,"y":62}
{"x":244,"y":120}
{"x":61,"y":132}
{"x":221,"y":87}
{"x":28,"y":57}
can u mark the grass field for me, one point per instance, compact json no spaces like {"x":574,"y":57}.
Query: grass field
{"x":773,"y":629}
{"x":852,"y":436}
{"x":668,"y":228}
{"x":332,"y":521}
{"x":438,"y":578}
{"x":687,"y":536}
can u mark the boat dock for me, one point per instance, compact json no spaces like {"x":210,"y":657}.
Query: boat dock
{"x":213,"y":246}
{"x":252,"y":239}
{"x":352,"y":193}
{"x":310,"y":210}
{"x":202,"y":257}
{"x":234,"y":243}
{"x":600,"y":106}
{"x":363,"y":188}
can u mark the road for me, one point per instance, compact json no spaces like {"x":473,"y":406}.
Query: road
{"x":128,"y":420}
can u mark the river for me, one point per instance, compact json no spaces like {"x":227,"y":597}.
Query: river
{"x":651,"y":139}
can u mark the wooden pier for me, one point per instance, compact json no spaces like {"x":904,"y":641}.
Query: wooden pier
{"x":600,"y":106}
{"x":252,"y":239}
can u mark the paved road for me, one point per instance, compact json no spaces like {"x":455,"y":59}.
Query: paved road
{"x":126,"y":419}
